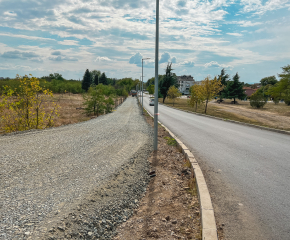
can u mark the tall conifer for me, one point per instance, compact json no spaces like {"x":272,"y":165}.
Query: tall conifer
{"x":87,"y":81}
{"x":235,"y":89}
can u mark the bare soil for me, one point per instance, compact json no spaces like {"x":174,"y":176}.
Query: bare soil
{"x":170,"y":207}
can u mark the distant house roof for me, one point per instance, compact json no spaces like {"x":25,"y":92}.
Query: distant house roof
{"x":249,"y":91}
{"x":185,"y":78}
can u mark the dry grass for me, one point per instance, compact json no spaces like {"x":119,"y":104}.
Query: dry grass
{"x":70,"y":110}
{"x":273,"y":116}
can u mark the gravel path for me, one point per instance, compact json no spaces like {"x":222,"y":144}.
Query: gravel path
{"x":58,"y":182}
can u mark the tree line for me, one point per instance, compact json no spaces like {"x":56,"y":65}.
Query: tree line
{"x":28,"y":103}
{"x":222,"y":87}
{"x":277,"y":90}
{"x":100,"y":92}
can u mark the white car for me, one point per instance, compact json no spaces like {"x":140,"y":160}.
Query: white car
{"x":151,"y":102}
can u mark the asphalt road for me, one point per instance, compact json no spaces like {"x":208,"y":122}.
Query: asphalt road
{"x":247,"y":170}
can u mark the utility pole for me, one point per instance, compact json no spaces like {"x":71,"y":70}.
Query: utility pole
{"x":142,"y":81}
{"x":156,"y":79}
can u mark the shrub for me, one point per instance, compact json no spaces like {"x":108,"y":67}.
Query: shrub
{"x":276,"y":100}
{"x":258,"y":101}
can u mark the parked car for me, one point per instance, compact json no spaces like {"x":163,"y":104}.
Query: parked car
{"x":151,"y":102}
{"x":133,"y":93}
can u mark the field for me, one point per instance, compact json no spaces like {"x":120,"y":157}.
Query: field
{"x":70,"y":109}
{"x":273,"y":116}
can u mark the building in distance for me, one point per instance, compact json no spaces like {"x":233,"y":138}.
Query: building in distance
{"x":249,"y":91}
{"x":184,"y":83}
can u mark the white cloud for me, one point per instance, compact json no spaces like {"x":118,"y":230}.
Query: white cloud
{"x":101,"y":59}
{"x":191,"y":30}
{"x":60,"y":59}
{"x":25,"y":36}
{"x":187,"y":64}
{"x":10,"y":14}
{"x":235,"y":34}
{"x":258,"y":8}
{"x":216,"y":64}
{"x":68,"y":42}
{"x":246,"y":23}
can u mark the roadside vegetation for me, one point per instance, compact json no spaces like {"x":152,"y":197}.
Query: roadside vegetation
{"x":37,"y":103}
{"x":27,"y":107}
{"x":225,"y":98}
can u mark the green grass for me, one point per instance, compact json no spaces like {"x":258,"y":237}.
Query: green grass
{"x":170,"y":141}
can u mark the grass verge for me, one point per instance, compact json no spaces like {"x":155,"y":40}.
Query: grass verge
{"x":272,"y":116}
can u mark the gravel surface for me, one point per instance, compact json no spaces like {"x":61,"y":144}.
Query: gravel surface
{"x":76,"y":181}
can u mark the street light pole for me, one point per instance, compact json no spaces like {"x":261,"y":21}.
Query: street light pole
{"x":156,"y":78}
{"x":142,"y":82}
{"x":139,"y":88}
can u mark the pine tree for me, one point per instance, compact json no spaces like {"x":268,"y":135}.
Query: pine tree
{"x":87,"y":81}
{"x":234,"y":89}
{"x":168,"y":80}
{"x":224,"y":78}
{"x":96,"y":79}
{"x":103,"y":79}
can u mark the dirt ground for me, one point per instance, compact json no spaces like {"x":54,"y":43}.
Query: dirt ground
{"x":170,"y":208}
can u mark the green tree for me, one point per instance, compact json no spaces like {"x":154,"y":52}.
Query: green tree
{"x":173,"y":93}
{"x":99,"y":98}
{"x":257,"y":100}
{"x":96,"y":79}
{"x":103,"y":79}
{"x":25,"y":108}
{"x":268,"y":80}
{"x":234,"y":89}
{"x":94,"y":73}
{"x":87,"y":81}
{"x":224,"y":78}
{"x":281,"y":90}
{"x":210,"y":88}
{"x":56,"y":76}
{"x":284,"y":84}
{"x":151,"y":81}
{"x":168,"y":80}
{"x":150,"y":89}
{"x":195,"y":96}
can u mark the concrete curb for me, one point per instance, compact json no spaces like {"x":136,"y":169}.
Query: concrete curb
{"x":233,"y":121}
{"x":209,"y":230}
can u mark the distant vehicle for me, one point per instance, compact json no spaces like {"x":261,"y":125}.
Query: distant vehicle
{"x":151,"y":102}
{"x":133,"y":93}
{"x":188,"y":96}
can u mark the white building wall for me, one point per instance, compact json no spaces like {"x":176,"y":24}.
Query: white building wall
{"x":185,"y":82}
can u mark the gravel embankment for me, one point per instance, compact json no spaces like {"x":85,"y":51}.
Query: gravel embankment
{"x":77,"y":181}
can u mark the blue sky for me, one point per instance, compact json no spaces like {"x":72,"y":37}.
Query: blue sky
{"x":251,"y":37}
